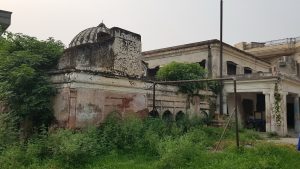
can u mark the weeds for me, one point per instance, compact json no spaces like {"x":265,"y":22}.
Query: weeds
{"x":135,"y":143}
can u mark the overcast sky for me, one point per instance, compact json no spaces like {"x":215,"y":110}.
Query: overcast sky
{"x":161,"y":23}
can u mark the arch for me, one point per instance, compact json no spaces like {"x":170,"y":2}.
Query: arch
{"x":179,"y":116}
{"x":167,"y":116}
{"x":154,"y":114}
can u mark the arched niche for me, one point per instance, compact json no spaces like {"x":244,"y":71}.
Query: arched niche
{"x":167,"y":116}
{"x":179,"y":116}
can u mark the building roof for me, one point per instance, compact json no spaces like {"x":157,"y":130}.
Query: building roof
{"x":190,"y":45}
{"x":5,"y":17}
{"x":89,"y":35}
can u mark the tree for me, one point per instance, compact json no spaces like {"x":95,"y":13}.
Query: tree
{"x":183,"y":71}
{"x":24,"y":82}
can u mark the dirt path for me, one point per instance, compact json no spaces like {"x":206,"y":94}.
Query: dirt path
{"x":293,"y":141}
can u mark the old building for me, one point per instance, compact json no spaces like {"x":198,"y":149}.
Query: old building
{"x":268,"y":78}
{"x":102,"y":71}
{"x":5,"y":17}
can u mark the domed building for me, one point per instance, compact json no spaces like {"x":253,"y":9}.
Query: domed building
{"x":108,"y":50}
{"x":101,"y":73}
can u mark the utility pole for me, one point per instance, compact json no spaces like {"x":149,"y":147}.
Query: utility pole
{"x":221,"y":55}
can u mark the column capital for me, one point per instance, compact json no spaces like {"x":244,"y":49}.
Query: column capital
{"x":284,"y":93}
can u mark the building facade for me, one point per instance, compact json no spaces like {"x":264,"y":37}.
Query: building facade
{"x":5,"y":17}
{"x":104,"y":70}
{"x":267,"y":76}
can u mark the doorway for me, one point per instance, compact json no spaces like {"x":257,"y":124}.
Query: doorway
{"x":290,"y":116}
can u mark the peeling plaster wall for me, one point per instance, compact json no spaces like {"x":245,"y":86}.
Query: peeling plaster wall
{"x":127,"y":49}
{"x":86,"y":99}
{"x":118,"y":53}
{"x":288,"y":68}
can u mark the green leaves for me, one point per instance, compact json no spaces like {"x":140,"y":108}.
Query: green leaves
{"x":24,"y":84}
{"x":183,"y":71}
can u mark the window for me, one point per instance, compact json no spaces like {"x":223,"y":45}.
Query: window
{"x":202,"y":63}
{"x":231,"y":68}
{"x":247,"y":70}
{"x":151,"y":73}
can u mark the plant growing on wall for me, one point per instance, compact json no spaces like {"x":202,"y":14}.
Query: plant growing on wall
{"x":183,"y":71}
{"x":277,"y":106}
{"x":187,"y":71}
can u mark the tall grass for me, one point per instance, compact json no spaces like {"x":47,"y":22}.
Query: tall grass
{"x":149,"y":143}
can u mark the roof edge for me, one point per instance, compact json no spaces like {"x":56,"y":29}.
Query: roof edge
{"x":207,"y":42}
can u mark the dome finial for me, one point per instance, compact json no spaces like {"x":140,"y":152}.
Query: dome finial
{"x":102,"y":24}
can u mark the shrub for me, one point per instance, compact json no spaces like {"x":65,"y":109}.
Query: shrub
{"x":183,"y":71}
{"x":73,"y":148}
{"x":178,"y":153}
{"x":24,"y":80}
{"x":8,"y":131}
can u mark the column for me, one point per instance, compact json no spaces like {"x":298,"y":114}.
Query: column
{"x":296,"y":114}
{"x":225,"y":103}
{"x":272,"y":121}
{"x":218,"y":104}
{"x":284,"y":129}
{"x":268,"y":112}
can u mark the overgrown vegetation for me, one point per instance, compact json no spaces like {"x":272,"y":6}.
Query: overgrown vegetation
{"x":149,"y":143}
{"x":277,"y":107}
{"x":128,"y":142}
{"x":25,"y":89}
{"x":187,"y":71}
{"x":183,"y":71}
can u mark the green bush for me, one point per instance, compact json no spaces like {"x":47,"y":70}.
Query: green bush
{"x":24,"y":80}
{"x":73,"y":148}
{"x":150,"y":143}
{"x":183,"y":71}
{"x":8,"y":131}
{"x":14,"y":157}
{"x":178,"y":153}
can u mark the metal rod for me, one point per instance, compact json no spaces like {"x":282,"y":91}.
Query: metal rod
{"x":236,"y":115}
{"x":153,"y":101}
{"x":223,"y":133}
{"x":189,"y":81}
{"x":221,"y":55}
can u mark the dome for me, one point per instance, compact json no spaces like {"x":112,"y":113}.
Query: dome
{"x":89,"y":35}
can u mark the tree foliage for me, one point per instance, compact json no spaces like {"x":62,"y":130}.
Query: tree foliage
{"x":183,"y":71}
{"x":24,"y":83}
